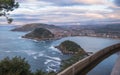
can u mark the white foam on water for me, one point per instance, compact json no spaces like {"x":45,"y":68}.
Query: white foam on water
{"x":54,"y":58}
{"x":20,"y":37}
{"x":56,"y":63}
{"x":40,"y":54}
{"x":52,"y":65}
{"x":47,"y":61}
{"x":7,"y":51}
{"x":55,"y":49}
{"x":30,"y":52}
{"x":35,"y":41}
{"x":35,"y":57}
{"x":50,"y":69}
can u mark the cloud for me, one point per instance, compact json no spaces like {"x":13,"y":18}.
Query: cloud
{"x":77,"y":2}
{"x":64,"y":11}
{"x":63,"y":2}
{"x":117,"y":2}
{"x":91,"y":1}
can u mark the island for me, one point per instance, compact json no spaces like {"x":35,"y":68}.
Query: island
{"x":70,"y":47}
{"x":40,"y":34}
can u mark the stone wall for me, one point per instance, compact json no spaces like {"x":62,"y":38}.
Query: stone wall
{"x":78,"y":66}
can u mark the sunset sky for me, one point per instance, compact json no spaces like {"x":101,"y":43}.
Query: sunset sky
{"x":65,"y":12}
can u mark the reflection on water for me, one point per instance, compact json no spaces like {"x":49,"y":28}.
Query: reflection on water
{"x":42,"y":54}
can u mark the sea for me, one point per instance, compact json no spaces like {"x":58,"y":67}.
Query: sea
{"x":43,"y":54}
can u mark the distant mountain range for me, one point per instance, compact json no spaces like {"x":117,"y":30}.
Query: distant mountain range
{"x":32,"y":26}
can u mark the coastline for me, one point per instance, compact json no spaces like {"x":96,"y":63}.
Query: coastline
{"x":57,"y":38}
{"x":97,"y":37}
{"x":38,"y":39}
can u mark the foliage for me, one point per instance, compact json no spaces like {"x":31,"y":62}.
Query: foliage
{"x":18,"y":66}
{"x":39,"y":72}
{"x":73,"y":59}
{"x":14,"y":66}
{"x":70,"y":46}
{"x":40,"y":33}
{"x":74,"y":47}
{"x":6,"y":6}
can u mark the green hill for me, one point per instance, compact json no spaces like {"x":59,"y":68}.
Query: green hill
{"x":40,"y":34}
{"x":70,"y":47}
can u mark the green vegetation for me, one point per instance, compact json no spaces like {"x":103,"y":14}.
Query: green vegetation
{"x":6,"y":6}
{"x":70,"y":46}
{"x":18,"y":66}
{"x":73,"y":59}
{"x":39,"y":72}
{"x":40,"y":34}
{"x":15,"y":66}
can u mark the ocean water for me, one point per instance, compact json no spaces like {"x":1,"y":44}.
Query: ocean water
{"x":43,"y":55}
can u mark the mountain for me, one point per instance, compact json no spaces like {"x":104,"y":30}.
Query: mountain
{"x":39,"y":34}
{"x":70,"y":47}
{"x":32,"y":26}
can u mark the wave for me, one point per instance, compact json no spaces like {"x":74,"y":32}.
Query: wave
{"x":35,"y":57}
{"x":30,"y":52}
{"x":52,"y":65}
{"x":40,"y":54}
{"x":54,"y":58}
{"x":20,"y":37}
{"x":47,"y":61}
{"x":7,"y":51}
{"x":54,"y":49}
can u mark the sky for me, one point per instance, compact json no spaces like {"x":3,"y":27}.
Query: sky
{"x":65,"y":12}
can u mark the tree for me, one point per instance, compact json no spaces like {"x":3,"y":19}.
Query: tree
{"x":14,"y":66}
{"x":18,"y":66}
{"x":6,"y":6}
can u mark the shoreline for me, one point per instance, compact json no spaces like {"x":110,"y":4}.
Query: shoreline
{"x":97,"y":37}
{"x":37,"y":39}
{"x":50,"y":39}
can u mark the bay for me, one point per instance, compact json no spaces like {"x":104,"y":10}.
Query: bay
{"x":43,"y":55}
